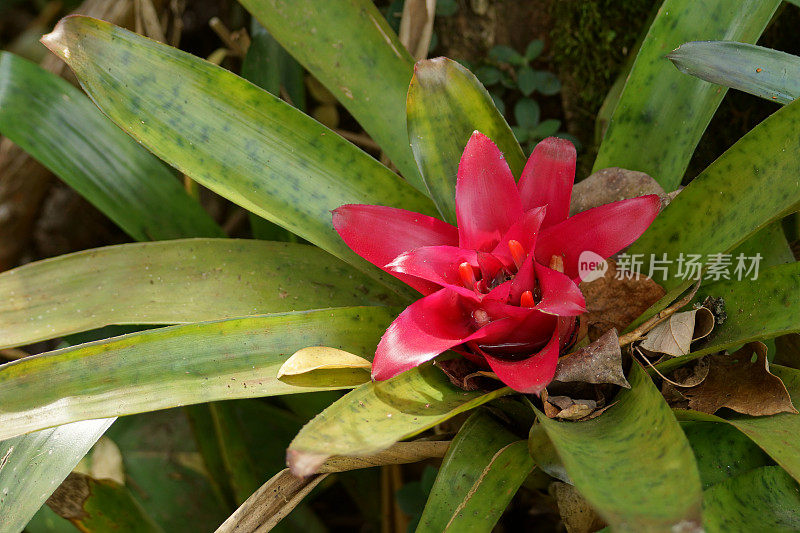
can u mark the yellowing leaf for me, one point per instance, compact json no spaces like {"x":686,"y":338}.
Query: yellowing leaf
{"x":321,"y":358}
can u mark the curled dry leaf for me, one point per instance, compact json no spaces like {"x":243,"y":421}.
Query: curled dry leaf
{"x":575,"y":511}
{"x":674,"y":336}
{"x":610,"y":185}
{"x":615,"y":303}
{"x":737,"y":382}
{"x":599,"y":362}
{"x":321,"y":358}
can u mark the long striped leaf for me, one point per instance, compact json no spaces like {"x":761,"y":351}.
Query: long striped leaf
{"x":172,"y":282}
{"x":754,"y":183}
{"x":179,"y":365}
{"x":770,"y":74}
{"x":633,"y":464}
{"x":445,"y":104}
{"x":61,"y":128}
{"x":32,"y":466}
{"x":661,"y":113}
{"x":470,"y":474}
{"x":376,"y":415}
{"x":350,"y":48}
{"x":228,"y":134}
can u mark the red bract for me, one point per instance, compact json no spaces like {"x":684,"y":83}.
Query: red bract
{"x":501,"y":288}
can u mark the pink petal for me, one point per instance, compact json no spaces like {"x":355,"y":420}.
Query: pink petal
{"x":487,"y":199}
{"x":425,"y":329}
{"x":530,"y":375}
{"x":524,"y":231}
{"x":490,"y":267}
{"x":525,"y":280}
{"x":437,"y":264}
{"x":604,"y":230}
{"x":379,"y":234}
{"x":548,"y":177}
{"x":560,"y":295}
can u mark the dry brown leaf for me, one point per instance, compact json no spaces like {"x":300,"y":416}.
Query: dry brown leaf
{"x":615,"y":303}
{"x":416,"y":26}
{"x":321,"y":358}
{"x":675,"y":335}
{"x":610,"y":185}
{"x":672,"y":337}
{"x":599,"y":362}
{"x":270,"y":503}
{"x":692,"y":374}
{"x":575,"y":511}
{"x":747,"y":387}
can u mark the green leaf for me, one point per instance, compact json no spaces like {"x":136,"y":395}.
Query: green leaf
{"x":661,"y":113}
{"x":173,"y":282}
{"x":162,"y":462}
{"x":771,"y":243}
{"x":546,"y":128}
{"x":534,"y":49}
{"x":100,"y":505}
{"x":751,"y":185}
{"x":472,"y":454}
{"x":756,"y":310}
{"x":344,"y":43}
{"x":446,"y":103}
{"x":228,"y":134}
{"x":33,"y":465}
{"x":527,"y":113}
{"x":722,"y":451}
{"x":633,"y":463}
{"x":547,"y":83}
{"x":61,"y":128}
{"x":446,"y":8}
{"x":526,"y":80}
{"x":376,"y":415}
{"x":179,"y":365}
{"x":775,"y":434}
{"x":506,"y":54}
{"x":770,"y":74}
{"x":488,"y":75}
{"x":766,"y":499}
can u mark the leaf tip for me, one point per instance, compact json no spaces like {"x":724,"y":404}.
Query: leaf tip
{"x":56,"y":40}
{"x":304,"y":464}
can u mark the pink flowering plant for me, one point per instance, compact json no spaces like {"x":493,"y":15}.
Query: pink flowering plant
{"x":502,"y":287}
{"x":401,"y":295}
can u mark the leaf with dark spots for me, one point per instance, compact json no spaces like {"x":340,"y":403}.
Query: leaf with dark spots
{"x":599,"y":362}
{"x":742,"y":384}
{"x":615,"y":303}
{"x":610,"y":185}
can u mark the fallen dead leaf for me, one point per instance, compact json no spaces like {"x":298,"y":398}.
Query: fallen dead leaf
{"x":672,"y":337}
{"x":575,"y":511}
{"x":321,"y":358}
{"x":610,"y":185}
{"x":737,"y":382}
{"x":599,"y":362}
{"x":566,"y":408}
{"x":615,"y":303}
{"x":675,"y":335}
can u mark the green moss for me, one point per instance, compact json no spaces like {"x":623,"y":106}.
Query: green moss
{"x":591,"y":40}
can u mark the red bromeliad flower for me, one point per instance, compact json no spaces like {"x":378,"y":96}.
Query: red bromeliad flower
{"x":501,"y":288}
